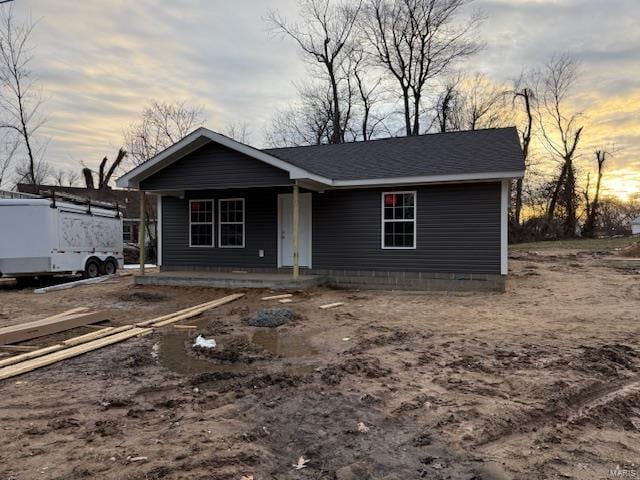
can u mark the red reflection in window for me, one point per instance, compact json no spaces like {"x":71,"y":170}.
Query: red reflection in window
{"x":391,"y":200}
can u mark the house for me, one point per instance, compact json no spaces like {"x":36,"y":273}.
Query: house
{"x":126,"y":201}
{"x":635,"y":226}
{"x":422,"y":212}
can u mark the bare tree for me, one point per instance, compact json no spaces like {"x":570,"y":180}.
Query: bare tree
{"x":369,"y":95}
{"x":445,"y":105}
{"x":162,"y":125}
{"x":308,"y":123}
{"x":525,"y":94}
{"x":416,"y":41}
{"x":19,"y":99}
{"x":325,"y":36}
{"x":561,"y":134}
{"x":592,"y":206}
{"x":240,"y":132}
{"x":65,"y":178}
{"x":9,"y":145}
{"x":104,"y":174}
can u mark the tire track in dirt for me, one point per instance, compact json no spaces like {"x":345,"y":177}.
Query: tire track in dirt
{"x":575,"y":409}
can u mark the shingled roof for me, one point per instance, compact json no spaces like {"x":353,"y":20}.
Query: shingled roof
{"x":478,"y":151}
{"x":457,"y":156}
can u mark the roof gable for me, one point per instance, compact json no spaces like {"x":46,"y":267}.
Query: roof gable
{"x":450,"y":157}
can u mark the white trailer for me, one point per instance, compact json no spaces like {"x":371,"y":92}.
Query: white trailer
{"x":42,"y":237}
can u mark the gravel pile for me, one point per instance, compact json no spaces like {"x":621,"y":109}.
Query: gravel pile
{"x":271,"y":317}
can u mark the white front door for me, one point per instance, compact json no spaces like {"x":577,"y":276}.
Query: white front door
{"x":285,"y":228}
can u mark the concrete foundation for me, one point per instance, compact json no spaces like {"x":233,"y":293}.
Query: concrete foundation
{"x":361,"y":279}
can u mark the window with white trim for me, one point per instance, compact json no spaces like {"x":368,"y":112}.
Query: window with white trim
{"x":231,"y":223}
{"x":399,"y":220}
{"x":201,"y":223}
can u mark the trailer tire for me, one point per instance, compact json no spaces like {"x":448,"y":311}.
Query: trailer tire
{"x":109,"y":267}
{"x":92,"y":268}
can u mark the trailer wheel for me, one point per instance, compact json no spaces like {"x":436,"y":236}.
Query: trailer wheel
{"x":92,"y":269}
{"x":109,"y":267}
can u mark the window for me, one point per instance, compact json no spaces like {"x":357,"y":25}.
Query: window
{"x":127,"y":235}
{"x":231,"y":223}
{"x":201,"y":223}
{"x":399,"y":220}
{"x":129,"y":232}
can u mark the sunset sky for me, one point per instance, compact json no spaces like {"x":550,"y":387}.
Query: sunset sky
{"x":99,"y":62}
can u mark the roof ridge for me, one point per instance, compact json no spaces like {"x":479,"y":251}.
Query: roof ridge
{"x":422,"y":135}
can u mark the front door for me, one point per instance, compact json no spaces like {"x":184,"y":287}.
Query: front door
{"x":285,"y":228}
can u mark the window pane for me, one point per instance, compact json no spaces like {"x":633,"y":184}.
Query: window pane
{"x":201,"y":235}
{"x":399,"y":234}
{"x":202,"y":211}
{"x":231,"y":235}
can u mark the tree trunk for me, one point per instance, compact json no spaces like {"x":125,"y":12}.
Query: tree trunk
{"x":556,"y":193}
{"x":416,"y":114}
{"x":336,"y":134}
{"x":407,"y":112}
{"x":518,"y":208}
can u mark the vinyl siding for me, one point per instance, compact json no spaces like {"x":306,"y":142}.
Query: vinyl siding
{"x":260,"y":232}
{"x":215,"y":166}
{"x":458,"y":230}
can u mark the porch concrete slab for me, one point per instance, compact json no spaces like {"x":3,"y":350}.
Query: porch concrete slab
{"x":272,"y":281}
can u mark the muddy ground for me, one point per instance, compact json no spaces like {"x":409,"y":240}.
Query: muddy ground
{"x":541,"y":382}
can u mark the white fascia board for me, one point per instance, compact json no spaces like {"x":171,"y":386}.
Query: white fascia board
{"x":133,"y":178}
{"x":465,"y":177}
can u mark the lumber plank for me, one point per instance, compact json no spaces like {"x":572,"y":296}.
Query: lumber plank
{"x":66,"y":343}
{"x":19,"y":348}
{"x":278,"y":297}
{"x":66,"y":313}
{"x":195,"y":313}
{"x":285,"y":300}
{"x":77,"y":283}
{"x":47,"y":326}
{"x":185,"y":312}
{"x":331,"y":305}
{"x":29,"y":365}
{"x":173,"y":314}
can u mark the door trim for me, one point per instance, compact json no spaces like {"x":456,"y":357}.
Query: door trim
{"x":279,"y":228}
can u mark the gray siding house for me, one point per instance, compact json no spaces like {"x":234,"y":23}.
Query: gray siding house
{"x":422,"y":212}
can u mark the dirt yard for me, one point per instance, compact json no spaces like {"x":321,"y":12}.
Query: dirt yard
{"x":541,"y":382}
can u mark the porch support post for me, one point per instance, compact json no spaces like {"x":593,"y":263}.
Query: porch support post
{"x":296,"y":230}
{"x":141,"y":230}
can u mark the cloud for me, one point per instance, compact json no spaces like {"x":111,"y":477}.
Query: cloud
{"x":101,"y":62}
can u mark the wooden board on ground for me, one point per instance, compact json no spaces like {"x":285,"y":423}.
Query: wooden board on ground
{"x":65,"y":344}
{"x":285,"y":300}
{"x":77,"y":283}
{"x":29,"y":365}
{"x":278,"y":297}
{"x":75,"y":346}
{"x":188,"y":312}
{"x":47,"y":326}
{"x":331,"y":305}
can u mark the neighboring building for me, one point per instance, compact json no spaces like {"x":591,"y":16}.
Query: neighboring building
{"x":422,"y":211}
{"x":635,"y":226}
{"x":127,"y":201}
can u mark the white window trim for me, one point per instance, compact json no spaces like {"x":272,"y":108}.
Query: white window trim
{"x":220,"y":222}
{"x":415,"y":220}
{"x":213,"y":218}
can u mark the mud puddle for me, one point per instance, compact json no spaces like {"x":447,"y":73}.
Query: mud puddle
{"x":174,"y":351}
